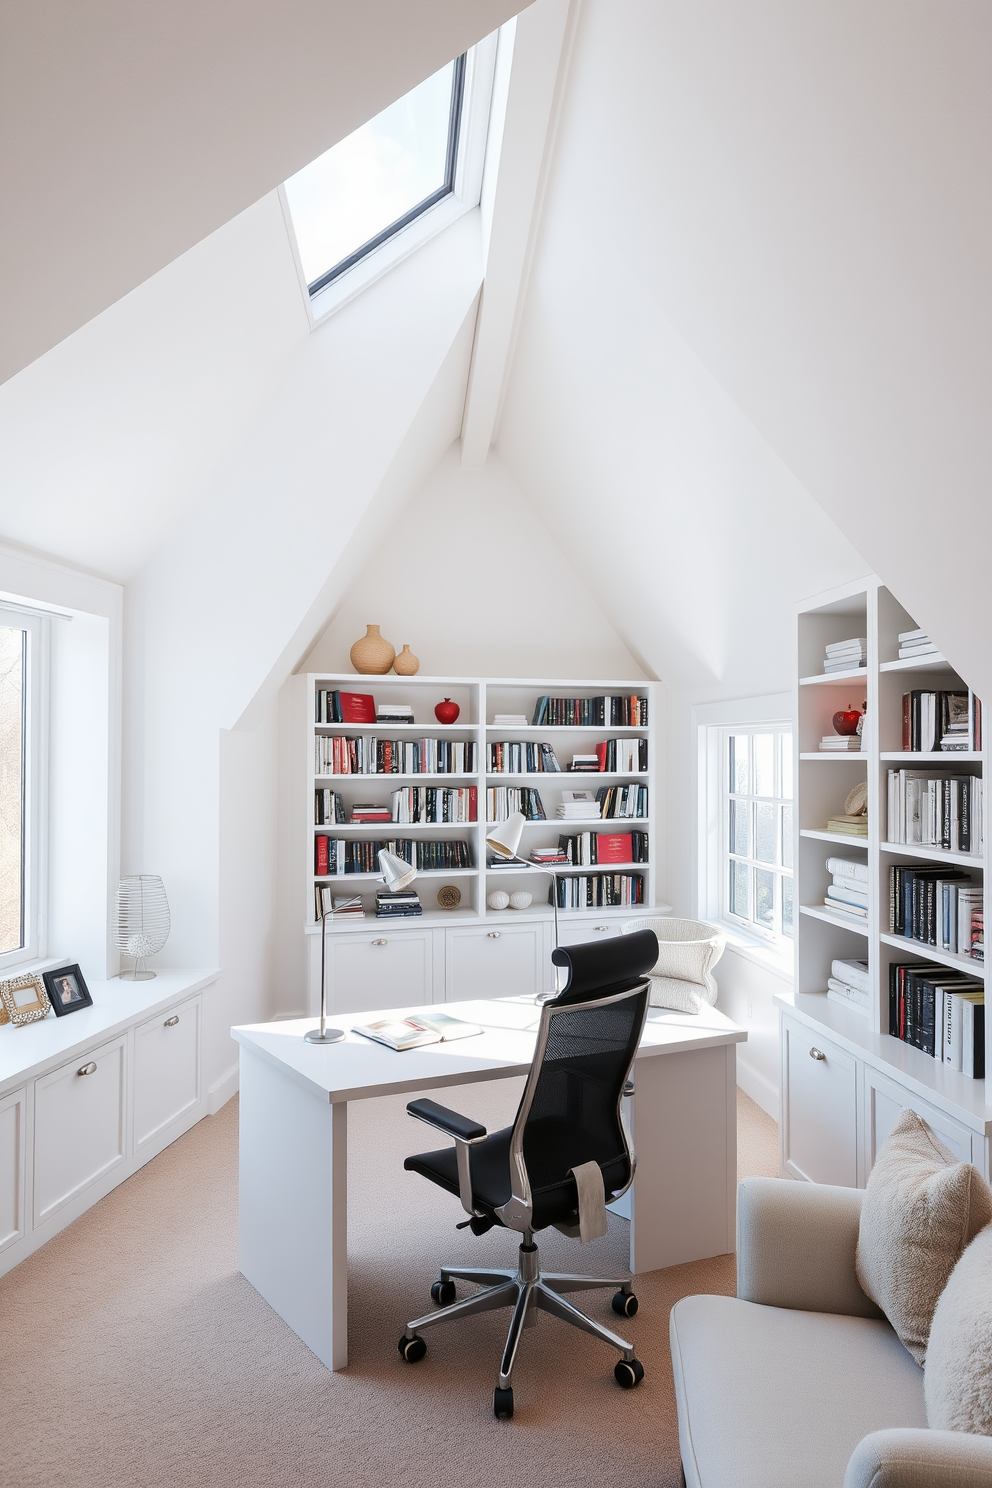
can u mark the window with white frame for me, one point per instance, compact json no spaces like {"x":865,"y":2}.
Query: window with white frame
{"x":23,"y":683}
{"x":746,"y":822}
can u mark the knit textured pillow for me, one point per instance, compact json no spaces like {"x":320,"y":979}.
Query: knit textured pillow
{"x":958,"y":1379}
{"x":921,"y":1208}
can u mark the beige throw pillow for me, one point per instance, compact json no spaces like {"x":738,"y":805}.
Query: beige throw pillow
{"x":921,"y":1208}
{"x":958,"y":1379}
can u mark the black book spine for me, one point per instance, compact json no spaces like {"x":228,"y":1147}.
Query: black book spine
{"x":979,"y":1041}
{"x":964,"y":814}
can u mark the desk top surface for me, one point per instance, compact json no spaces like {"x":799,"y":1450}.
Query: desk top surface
{"x":358,"y":1068}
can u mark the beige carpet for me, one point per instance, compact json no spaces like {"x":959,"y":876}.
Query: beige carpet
{"x":134,"y":1355}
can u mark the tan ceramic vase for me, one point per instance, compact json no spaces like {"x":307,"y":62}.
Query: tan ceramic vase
{"x":406,"y":664}
{"x":372,"y":655}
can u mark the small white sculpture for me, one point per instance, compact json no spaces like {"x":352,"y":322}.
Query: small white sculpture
{"x":498,"y":899}
{"x":521,"y":899}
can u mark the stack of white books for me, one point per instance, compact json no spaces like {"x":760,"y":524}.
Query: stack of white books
{"x":394,"y":713}
{"x":511,"y":720}
{"x":848,"y":984}
{"x":846,"y":656}
{"x":915,"y":643}
{"x":840,"y":742}
{"x":577,"y":805}
{"x":848,"y":891}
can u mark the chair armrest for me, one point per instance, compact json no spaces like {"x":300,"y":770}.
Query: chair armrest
{"x":796,"y":1245}
{"x":463,"y":1128}
{"x":904,"y":1457}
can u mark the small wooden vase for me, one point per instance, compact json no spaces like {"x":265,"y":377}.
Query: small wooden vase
{"x":406,"y":664}
{"x":372,"y":655}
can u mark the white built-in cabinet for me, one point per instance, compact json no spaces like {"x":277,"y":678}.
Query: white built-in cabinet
{"x":844,"y":1079}
{"x":87,"y":1099}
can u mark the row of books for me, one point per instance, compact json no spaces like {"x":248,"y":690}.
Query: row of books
{"x":848,"y":824}
{"x":846,"y":656}
{"x":915,"y":643}
{"x":625,"y":711}
{"x":343,"y":707}
{"x":335,"y":855}
{"x":503,"y":800}
{"x":597,"y":890}
{"x":848,"y":984}
{"x":435,"y":803}
{"x":847,"y":891}
{"x":398,"y":906}
{"x":337,"y":754}
{"x":586,"y":849}
{"x":511,"y":758}
{"x":935,"y":810}
{"x":324,"y":899}
{"x":941,"y":721}
{"x":840,"y":743}
{"x":941,"y":1012}
{"x":937,"y":906}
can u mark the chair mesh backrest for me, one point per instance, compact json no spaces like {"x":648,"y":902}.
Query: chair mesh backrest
{"x":574,"y":1115}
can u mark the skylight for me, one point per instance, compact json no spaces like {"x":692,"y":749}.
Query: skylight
{"x":371,"y":185}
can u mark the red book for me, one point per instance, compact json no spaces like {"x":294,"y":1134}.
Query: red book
{"x":321,"y":859}
{"x":613,"y":847}
{"x":473,"y":803}
{"x":357,"y":707}
{"x":907,"y":740}
{"x":601,"y":755}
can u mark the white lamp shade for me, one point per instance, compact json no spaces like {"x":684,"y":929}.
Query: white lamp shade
{"x":396,"y":872}
{"x":505,"y":839}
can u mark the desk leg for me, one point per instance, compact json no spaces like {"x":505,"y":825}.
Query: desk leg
{"x":293,"y":1206}
{"x":683,"y":1202}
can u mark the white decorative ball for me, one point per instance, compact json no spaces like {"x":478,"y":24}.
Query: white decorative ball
{"x":140,"y":944}
{"x":521,"y":899}
{"x":498,"y":899}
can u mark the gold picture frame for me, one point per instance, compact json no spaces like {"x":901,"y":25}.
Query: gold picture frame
{"x":23,"y":999}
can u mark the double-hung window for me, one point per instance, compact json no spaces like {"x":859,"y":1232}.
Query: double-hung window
{"x":23,"y":682}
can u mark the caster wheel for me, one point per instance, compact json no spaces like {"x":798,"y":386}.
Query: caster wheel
{"x":412,"y":1349}
{"x":502,"y":1404}
{"x":624,"y":1304}
{"x":628,"y":1373}
{"x":443,"y":1293}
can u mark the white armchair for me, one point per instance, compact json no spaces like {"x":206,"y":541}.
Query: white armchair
{"x":682,"y":978}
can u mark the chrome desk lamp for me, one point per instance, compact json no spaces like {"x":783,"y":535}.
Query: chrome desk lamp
{"x":504,"y":841}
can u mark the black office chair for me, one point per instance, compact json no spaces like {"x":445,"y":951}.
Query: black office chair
{"x":521,"y":1177}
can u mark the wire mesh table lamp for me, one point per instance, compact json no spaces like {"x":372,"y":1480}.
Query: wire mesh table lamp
{"x":143,"y":921}
{"x":504,"y":841}
{"x":396,"y":874}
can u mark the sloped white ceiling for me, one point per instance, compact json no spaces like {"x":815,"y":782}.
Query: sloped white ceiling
{"x":129,"y":132}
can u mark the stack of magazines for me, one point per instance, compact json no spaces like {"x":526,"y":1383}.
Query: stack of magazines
{"x":846,"y":656}
{"x":390,"y":906}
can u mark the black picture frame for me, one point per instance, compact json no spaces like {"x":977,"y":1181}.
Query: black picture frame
{"x":79,"y":996}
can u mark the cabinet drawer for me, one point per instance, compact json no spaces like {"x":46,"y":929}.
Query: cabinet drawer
{"x":596,"y":929}
{"x":505,"y":960}
{"x":166,"y":1069}
{"x":383,"y":969}
{"x":13,"y":1151}
{"x":819,"y":1108}
{"x":885,"y":1101}
{"x":78,"y":1126}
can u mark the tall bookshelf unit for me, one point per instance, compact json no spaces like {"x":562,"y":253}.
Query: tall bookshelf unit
{"x":844,"y":1078}
{"x":472,"y":950}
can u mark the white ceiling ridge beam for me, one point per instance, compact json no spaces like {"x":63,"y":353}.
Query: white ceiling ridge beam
{"x":523,"y":141}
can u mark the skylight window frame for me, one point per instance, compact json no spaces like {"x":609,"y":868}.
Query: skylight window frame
{"x":471,"y":129}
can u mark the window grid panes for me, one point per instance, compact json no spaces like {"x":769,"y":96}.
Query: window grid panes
{"x":757,"y":828}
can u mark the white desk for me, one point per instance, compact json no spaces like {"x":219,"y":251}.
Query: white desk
{"x":294,"y":1135}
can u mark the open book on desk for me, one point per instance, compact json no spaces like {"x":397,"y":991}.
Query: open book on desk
{"x":411,"y":1033}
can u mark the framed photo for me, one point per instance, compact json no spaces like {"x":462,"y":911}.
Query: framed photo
{"x":23,"y":999}
{"x":67,"y":990}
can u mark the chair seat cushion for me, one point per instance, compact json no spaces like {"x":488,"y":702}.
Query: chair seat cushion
{"x":769,"y":1397}
{"x":489,"y":1162}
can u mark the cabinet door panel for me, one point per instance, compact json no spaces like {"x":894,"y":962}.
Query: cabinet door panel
{"x":166,"y":1069}
{"x":820,"y":1108}
{"x":385,"y":969}
{"x":885,"y":1102}
{"x":78,"y":1126}
{"x":502,"y":961}
{"x":13,"y":1109}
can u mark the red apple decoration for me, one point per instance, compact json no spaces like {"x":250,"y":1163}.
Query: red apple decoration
{"x":846,"y":722}
{"x":447,"y":712}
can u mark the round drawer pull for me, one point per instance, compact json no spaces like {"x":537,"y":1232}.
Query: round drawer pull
{"x":171,"y":1022}
{"x":817,"y":1054}
{"x":493,"y":934}
{"x":601,"y":927}
{"x":87,"y":1069}
{"x":379,"y":942}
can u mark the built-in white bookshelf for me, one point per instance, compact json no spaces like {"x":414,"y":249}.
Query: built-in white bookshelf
{"x":479,"y":701}
{"x":836,"y":1088}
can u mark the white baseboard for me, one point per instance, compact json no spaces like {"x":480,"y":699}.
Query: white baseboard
{"x":221,"y":1091}
{"x":759,"y":1088}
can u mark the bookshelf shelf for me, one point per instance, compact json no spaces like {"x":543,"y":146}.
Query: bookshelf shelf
{"x":568,"y":777}
{"x":605,"y":823}
{"x":563,"y":868}
{"x":511,"y":730}
{"x":347,"y":878}
{"x":392,"y":828}
{"x":888,"y":1072}
{"x":385,"y":779}
{"x":425,"y":730}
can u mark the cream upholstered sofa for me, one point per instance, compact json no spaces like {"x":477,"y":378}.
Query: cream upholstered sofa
{"x":799,"y":1381}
